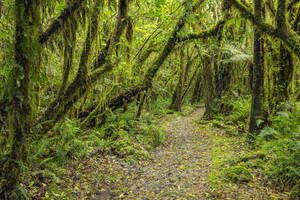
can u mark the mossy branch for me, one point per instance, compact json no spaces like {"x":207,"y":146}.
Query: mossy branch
{"x":119,"y":28}
{"x":59,"y":23}
{"x":171,"y":43}
{"x":59,"y":107}
{"x":288,"y":37}
{"x":83,"y":81}
{"x":204,"y":34}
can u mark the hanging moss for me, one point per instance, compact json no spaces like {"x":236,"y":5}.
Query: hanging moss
{"x":288,"y":37}
{"x":59,"y":23}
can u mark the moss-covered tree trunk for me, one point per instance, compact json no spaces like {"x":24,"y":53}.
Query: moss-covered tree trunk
{"x":209,"y":88}
{"x":177,"y":95}
{"x":198,"y":90}
{"x":141,"y":105}
{"x":223,"y":78}
{"x":257,"y":105}
{"x":286,"y":76}
{"x":27,"y":48}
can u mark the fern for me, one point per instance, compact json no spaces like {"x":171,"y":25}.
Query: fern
{"x":235,"y":54}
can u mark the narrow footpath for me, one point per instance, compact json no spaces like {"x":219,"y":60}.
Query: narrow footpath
{"x":178,"y":170}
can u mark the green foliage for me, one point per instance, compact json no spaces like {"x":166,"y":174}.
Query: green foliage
{"x":127,"y":136}
{"x":157,"y":135}
{"x":238,"y":173}
{"x":240,"y":110}
{"x":233,"y":109}
{"x":281,"y":143}
{"x":68,"y":142}
{"x":236,"y":54}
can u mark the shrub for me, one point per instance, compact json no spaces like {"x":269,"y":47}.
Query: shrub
{"x":238,"y":173}
{"x":281,"y":144}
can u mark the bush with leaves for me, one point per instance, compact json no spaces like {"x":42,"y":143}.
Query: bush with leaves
{"x":281,"y":142}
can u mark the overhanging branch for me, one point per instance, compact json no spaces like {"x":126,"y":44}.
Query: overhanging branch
{"x":59,"y":23}
{"x":204,"y":34}
{"x":288,"y":37}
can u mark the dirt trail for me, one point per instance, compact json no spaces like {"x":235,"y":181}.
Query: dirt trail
{"x":179,"y":169}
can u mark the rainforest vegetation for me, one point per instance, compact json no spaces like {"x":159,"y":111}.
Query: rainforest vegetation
{"x":154,"y":99}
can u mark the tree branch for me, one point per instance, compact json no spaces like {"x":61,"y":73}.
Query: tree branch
{"x":120,"y":25}
{"x":204,"y":34}
{"x":59,"y":107}
{"x":289,"y":38}
{"x":59,"y":23}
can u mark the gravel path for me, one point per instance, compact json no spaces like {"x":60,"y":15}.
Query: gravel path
{"x":178,"y":170}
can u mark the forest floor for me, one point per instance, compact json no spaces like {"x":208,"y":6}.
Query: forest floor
{"x":186,"y":167}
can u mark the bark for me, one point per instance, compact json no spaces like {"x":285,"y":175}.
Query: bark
{"x":209,"y":88}
{"x":280,"y":16}
{"x":177,"y":95}
{"x":223,"y":78}
{"x":119,"y":28}
{"x":286,"y":75}
{"x":178,"y":102}
{"x":197,"y":92}
{"x":141,"y":105}
{"x":257,"y":105}
{"x":189,"y":84}
{"x":27,"y":15}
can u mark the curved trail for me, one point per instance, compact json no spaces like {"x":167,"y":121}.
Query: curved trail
{"x":179,"y":169}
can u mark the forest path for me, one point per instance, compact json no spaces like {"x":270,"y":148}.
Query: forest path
{"x":177,"y":170}
{"x":180,"y":169}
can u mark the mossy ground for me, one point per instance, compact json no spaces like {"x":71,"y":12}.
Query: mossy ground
{"x":235,"y":172}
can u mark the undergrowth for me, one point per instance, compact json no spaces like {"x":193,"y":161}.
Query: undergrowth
{"x":281,"y":142}
{"x":123,"y":135}
{"x":275,"y":159}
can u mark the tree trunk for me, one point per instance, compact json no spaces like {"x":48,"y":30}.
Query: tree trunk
{"x":177,"y":96}
{"x":27,"y":48}
{"x":197,"y":93}
{"x":141,"y":105}
{"x":257,"y":106}
{"x":286,"y":75}
{"x":209,"y":88}
{"x":181,"y":82}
